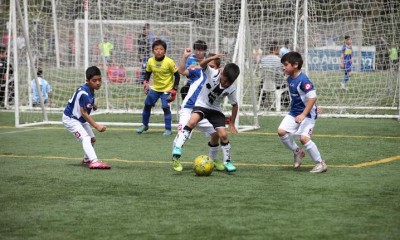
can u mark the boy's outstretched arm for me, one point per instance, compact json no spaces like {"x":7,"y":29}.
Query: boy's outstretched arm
{"x":204,"y":63}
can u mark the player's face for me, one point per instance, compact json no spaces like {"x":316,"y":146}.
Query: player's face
{"x":289,"y":69}
{"x":159,"y":51}
{"x":224,"y":81}
{"x":95,"y":82}
{"x":199,"y":53}
{"x":212,"y":64}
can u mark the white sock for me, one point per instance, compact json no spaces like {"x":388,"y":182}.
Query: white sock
{"x":213,"y":152}
{"x":88,"y":148}
{"x":226,"y":152}
{"x":312,"y":150}
{"x":85,"y":156}
{"x":182,"y":137}
{"x":289,"y":142}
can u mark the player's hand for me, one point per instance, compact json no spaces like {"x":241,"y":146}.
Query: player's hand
{"x":342,"y":65}
{"x":171,"y":95}
{"x":232,"y":128}
{"x":187,"y":52}
{"x":299,"y":119}
{"x":319,"y":110}
{"x":101,"y":128}
{"x":146,"y":87}
{"x":94,"y":107}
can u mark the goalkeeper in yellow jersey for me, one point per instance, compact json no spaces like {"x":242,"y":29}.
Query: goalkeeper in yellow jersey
{"x":165,"y":83}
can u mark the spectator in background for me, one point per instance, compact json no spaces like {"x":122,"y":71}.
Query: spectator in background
{"x":144,"y":43}
{"x":44,"y":88}
{"x":272,"y":60}
{"x":285,"y":49}
{"x":105,"y":50}
{"x":346,"y":60}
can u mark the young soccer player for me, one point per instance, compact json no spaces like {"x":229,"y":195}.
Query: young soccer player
{"x":301,"y":118}
{"x":219,"y":84}
{"x":193,"y":62}
{"x":346,"y":60}
{"x":77,"y":119}
{"x":195,"y":86}
{"x":164,"y":86}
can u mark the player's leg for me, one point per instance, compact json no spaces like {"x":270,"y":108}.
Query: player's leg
{"x":83,"y":133}
{"x":217,"y":119}
{"x":346,"y":77}
{"x":285,"y":129}
{"x":184,"y":116}
{"x":195,"y":117}
{"x":207,"y":128}
{"x":226,"y":149}
{"x":181,"y":139}
{"x":167,"y":114}
{"x":149,"y":102}
{"x":305,"y":131}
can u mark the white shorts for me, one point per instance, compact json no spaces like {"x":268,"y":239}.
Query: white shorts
{"x":78,"y":129}
{"x":203,"y":126}
{"x":305,"y":128}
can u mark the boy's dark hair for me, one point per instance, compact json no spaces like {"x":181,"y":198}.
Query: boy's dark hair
{"x":200,"y":45}
{"x":231,"y":72}
{"x":3,"y":48}
{"x":92,"y":71}
{"x":274,"y":46}
{"x":39,"y":72}
{"x":159,"y":42}
{"x":346,"y":37}
{"x":293,"y":58}
{"x":217,"y":61}
{"x":286,"y":42}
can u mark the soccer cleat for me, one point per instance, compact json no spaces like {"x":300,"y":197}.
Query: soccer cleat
{"x":142,"y":128}
{"x":229,"y":166}
{"x":320,"y":168}
{"x":176,"y":164}
{"x":85,"y":162}
{"x":167,"y":133}
{"x":177,"y":152}
{"x":218,"y":165}
{"x":297,"y":158}
{"x":98,"y":165}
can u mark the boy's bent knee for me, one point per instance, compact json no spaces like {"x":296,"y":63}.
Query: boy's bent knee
{"x":304,"y":139}
{"x":281,"y":132}
{"x":167,"y":110}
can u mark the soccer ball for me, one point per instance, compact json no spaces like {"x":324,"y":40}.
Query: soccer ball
{"x":203,"y":166}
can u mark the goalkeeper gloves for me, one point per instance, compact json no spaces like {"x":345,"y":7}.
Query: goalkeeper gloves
{"x":146,"y":87}
{"x":171,"y":95}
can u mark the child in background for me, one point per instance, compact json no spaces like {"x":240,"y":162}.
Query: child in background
{"x":346,"y":60}
{"x":164,"y":86}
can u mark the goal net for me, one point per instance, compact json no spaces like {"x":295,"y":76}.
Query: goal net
{"x":65,"y":37}
{"x":317,"y":30}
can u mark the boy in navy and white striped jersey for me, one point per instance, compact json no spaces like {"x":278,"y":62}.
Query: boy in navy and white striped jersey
{"x":300,"y":120}
{"x":77,"y":119}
